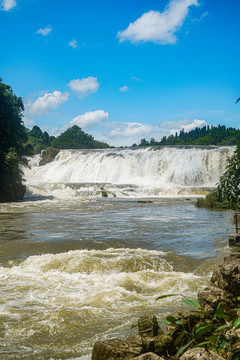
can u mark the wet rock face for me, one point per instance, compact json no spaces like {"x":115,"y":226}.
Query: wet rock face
{"x":200,"y":354}
{"x":148,"y":326}
{"x":118,"y":349}
{"x":162,"y":345}
{"x":148,"y":356}
{"x":227,"y":275}
{"x":211,"y":296}
{"x":13,"y":193}
{"x":151,"y":343}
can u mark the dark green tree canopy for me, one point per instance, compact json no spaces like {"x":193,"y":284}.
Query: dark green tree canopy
{"x":12,"y":130}
{"x":12,"y":136}
{"x":36,"y":132}
{"x":76,"y":138}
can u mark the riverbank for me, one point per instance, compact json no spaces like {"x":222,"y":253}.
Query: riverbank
{"x":210,"y":331}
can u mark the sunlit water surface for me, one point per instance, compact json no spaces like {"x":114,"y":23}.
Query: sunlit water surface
{"x":73,"y":272}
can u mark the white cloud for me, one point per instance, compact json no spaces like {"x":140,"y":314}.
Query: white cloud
{"x":89,"y":119}
{"x":46,"y":31}
{"x":83,"y":87}
{"x":28,"y":122}
{"x":201,"y":17}
{"x":73,"y":44}
{"x":130,"y":129}
{"x":136,"y":79}
{"x":187,"y":125}
{"x":124,"y":88}
{"x":7,"y":5}
{"x":47,"y":102}
{"x":158,"y":27}
{"x":128,"y":133}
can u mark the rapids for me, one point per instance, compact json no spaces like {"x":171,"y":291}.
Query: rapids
{"x":73,"y":272}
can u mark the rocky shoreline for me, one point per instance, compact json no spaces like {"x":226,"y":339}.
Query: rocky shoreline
{"x":209,"y":332}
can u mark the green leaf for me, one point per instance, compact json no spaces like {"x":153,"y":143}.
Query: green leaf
{"x":214,"y":338}
{"x":171,"y":319}
{"x":166,"y":296}
{"x":203,"y":343}
{"x":223,"y":344}
{"x":166,"y":322}
{"x":205,"y":329}
{"x":236,"y":323}
{"x":183,"y":348}
{"x":222,"y":327}
{"x":194,"y":303}
{"x":179,"y":338}
{"x":220,"y":313}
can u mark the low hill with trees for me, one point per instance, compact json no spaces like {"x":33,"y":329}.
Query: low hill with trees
{"x":73,"y":138}
{"x":208,"y":135}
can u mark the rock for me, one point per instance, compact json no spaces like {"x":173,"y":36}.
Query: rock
{"x":148,"y":326}
{"x":227,"y":275}
{"x":211,"y":296}
{"x":148,"y":356}
{"x":118,"y":349}
{"x":161,"y":345}
{"x":200,"y":354}
{"x":48,"y":155}
{"x":12,"y":193}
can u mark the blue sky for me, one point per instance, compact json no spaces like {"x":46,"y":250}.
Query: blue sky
{"x":123,"y":70}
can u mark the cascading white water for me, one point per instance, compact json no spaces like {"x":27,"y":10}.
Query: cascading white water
{"x":166,"y":171}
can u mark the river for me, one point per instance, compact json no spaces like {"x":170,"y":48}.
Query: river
{"x":81,"y":260}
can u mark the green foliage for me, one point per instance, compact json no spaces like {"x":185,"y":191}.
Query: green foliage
{"x":36,"y":132}
{"x":76,"y":138}
{"x":212,"y":332}
{"x":228,"y":189}
{"x":227,"y":194}
{"x":12,"y":137}
{"x":211,"y":202}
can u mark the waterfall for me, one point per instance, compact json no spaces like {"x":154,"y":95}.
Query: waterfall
{"x":148,"y":172}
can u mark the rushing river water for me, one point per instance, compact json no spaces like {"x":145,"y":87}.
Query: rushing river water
{"x":74,"y":272}
{"x":76,"y":266}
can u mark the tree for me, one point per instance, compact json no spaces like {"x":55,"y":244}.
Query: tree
{"x":36,"y":132}
{"x":12,"y":136}
{"x":228,"y":189}
{"x":75,"y":138}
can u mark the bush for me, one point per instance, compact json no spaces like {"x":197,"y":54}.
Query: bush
{"x":227,"y":194}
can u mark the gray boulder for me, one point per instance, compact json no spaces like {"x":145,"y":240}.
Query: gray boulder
{"x":118,"y":349}
{"x":200,"y":354}
{"x":161,"y":345}
{"x":211,"y":296}
{"x":148,"y":356}
{"x":148,"y":326}
{"x":227,"y":275}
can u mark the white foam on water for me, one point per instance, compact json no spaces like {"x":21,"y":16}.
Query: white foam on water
{"x":84,"y":295}
{"x":168,"y":171}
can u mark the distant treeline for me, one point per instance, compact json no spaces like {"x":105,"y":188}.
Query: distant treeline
{"x":73,"y":138}
{"x":207,"y":135}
